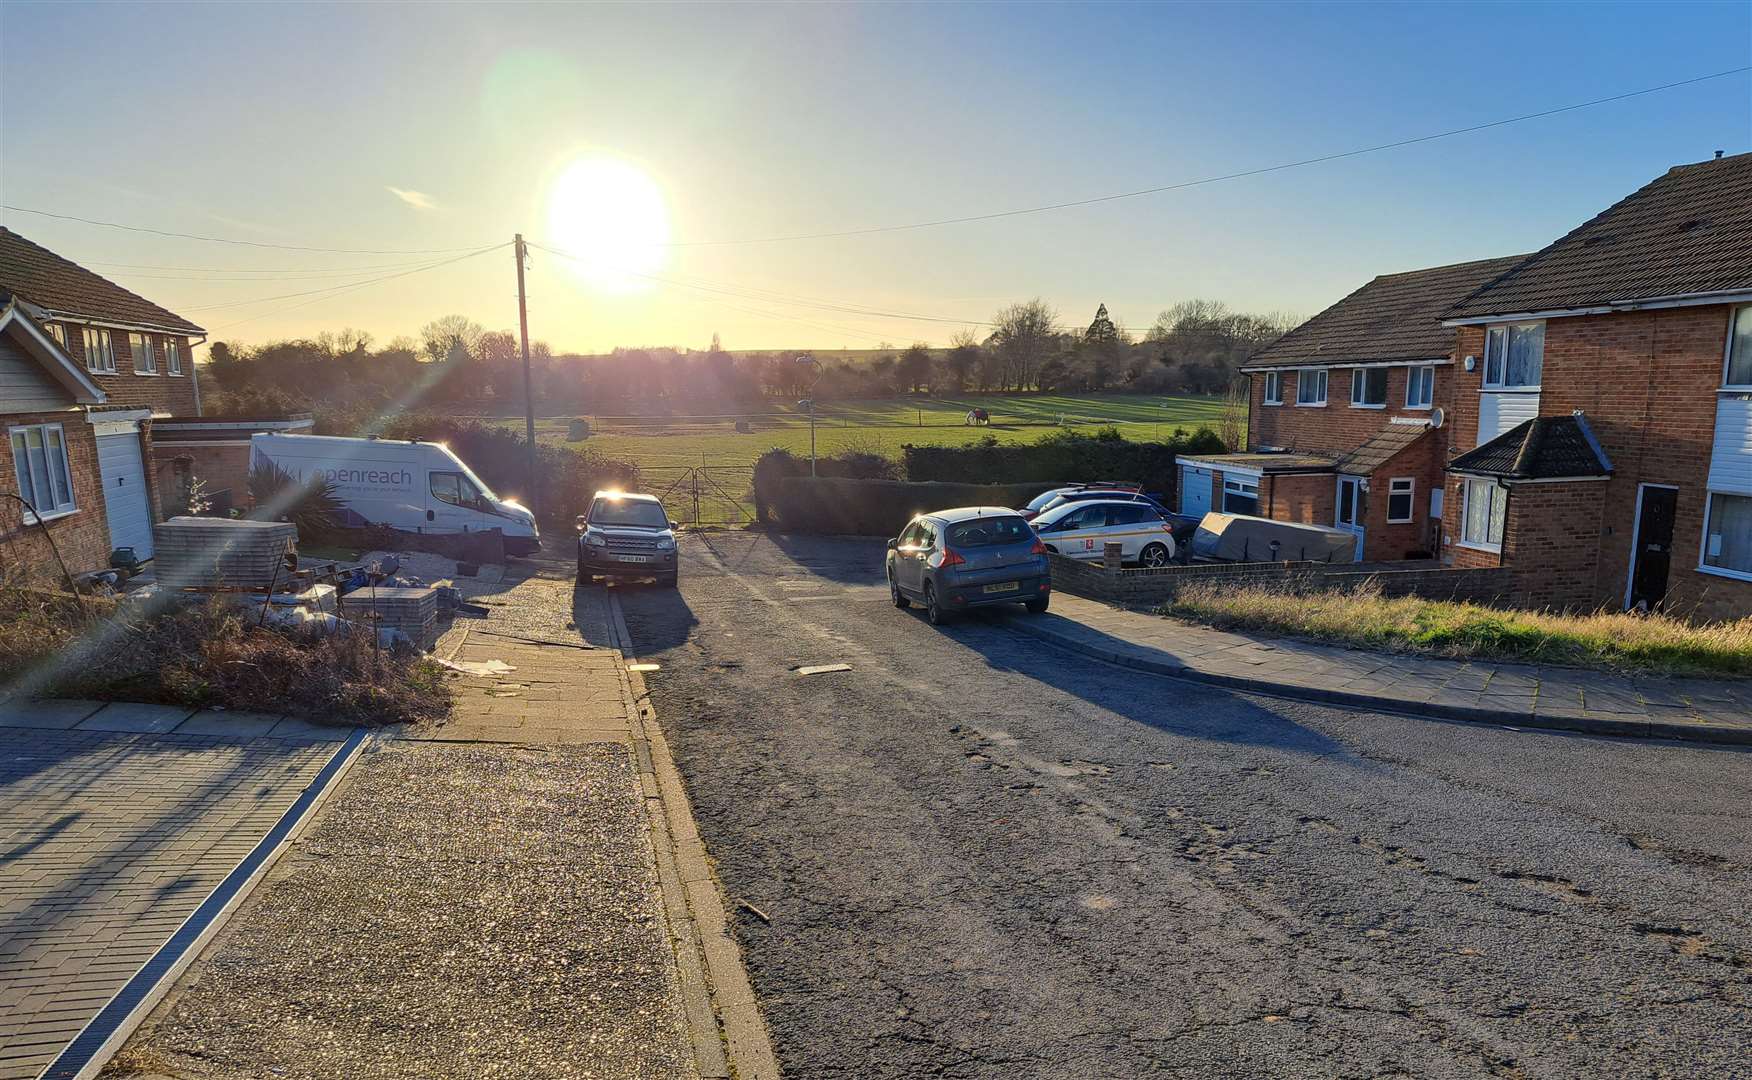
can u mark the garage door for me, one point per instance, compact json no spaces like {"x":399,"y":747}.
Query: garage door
{"x":124,"y":493}
{"x":1195,"y":490}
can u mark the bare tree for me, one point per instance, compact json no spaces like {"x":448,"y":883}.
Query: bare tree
{"x":1024,"y":335}
{"x":1232,"y":423}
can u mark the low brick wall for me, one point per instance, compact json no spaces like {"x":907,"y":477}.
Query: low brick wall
{"x":1141,"y":587}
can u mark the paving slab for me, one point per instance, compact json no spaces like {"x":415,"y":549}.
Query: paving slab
{"x":48,"y":715}
{"x":237,"y":725}
{"x":131,"y":716}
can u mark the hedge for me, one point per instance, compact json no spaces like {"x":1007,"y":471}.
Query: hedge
{"x":880,"y":507}
{"x":772,"y":467}
{"x":1063,"y":457}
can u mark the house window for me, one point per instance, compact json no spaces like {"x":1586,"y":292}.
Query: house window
{"x":1369,"y":388}
{"x":1420,"y":387}
{"x":1274,"y":386}
{"x":1311,"y":386}
{"x":1241,"y":495}
{"x":173,"y":355}
{"x":1400,"y":492}
{"x":1481,"y":522}
{"x":58,"y":332}
{"x":140,"y":348}
{"x":1739,"y":373}
{"x":39,"y":462}
{"x":1727,"y":534}
{"x":100,"y":354}
{"x":1514,"y":356}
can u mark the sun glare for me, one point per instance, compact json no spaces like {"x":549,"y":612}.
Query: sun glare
{"x":610,"y":215}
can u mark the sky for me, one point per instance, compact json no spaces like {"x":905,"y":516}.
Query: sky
{"x":652,"y":142}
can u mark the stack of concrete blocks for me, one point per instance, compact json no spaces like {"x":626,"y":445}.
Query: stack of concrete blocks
{"x":413,"y":611}
{"x":222,"y":553}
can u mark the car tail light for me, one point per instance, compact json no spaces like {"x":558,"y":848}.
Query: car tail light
{"x":951,"y":557}
{"x":1167,"y":526}
{"x":1039,"y":547}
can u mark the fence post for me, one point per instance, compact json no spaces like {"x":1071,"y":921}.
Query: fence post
{"x":1111,"y":558}
{"x":696,"y":496}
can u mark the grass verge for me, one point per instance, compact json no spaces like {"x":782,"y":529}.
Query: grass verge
{"x":1642,"y":644}
{"x":208,"y":654}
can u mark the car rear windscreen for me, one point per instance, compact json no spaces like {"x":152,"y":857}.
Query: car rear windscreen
{"x":990,"y":532}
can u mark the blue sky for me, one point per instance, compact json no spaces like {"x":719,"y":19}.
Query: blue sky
{"x":289,"y":124}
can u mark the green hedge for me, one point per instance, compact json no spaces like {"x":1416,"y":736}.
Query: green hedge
{"x":880,"y":507}
{"x":1063,"y":457}
{"x":772,"y":467}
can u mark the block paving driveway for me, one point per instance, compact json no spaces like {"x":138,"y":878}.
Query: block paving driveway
{"x":108,"y":841}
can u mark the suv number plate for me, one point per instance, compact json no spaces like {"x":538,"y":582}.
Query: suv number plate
{"x":632,"y":558}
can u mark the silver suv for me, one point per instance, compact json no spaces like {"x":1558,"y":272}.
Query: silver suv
{"x":952,"y":560}
{"x":626,"y":535}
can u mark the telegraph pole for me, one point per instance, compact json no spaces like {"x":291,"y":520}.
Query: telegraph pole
{"x":528,"y":383}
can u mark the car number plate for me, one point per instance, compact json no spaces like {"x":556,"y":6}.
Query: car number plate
{"x":632,"y":558}
{"x":1007,"y":586}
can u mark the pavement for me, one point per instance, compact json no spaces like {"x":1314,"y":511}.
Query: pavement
{"x":518,"y":891}
{"x":117,"y":823}
{"x":1529,"y":695}
{"x":969,"y":854}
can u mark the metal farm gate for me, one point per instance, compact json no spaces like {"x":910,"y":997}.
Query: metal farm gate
{"x":702,"y":494}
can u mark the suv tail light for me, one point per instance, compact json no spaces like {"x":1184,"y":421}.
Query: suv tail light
{"x":951,"y":557}
{"x":1039,"y":547}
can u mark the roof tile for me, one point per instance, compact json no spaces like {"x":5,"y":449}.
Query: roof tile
{"x":38,"y":275}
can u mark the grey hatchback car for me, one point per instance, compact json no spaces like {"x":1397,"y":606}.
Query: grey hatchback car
{"x":952,"y":560}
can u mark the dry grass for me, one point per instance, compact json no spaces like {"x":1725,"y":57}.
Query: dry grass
{"x":1649,"y":644}
{"x":209,"y":654}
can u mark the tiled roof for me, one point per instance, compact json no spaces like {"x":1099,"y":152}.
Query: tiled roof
{"x":1394,"y":317}
{"x":1688,"y":231}
{"x":1381,"y":448}
{"x":1265,"y":463}
{"x":1543,"y":448}
{"x":41,"y":277}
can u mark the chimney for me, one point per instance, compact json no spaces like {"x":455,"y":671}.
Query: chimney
{"x":1718,"y":155}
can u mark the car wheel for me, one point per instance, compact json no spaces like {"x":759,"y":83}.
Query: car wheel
{"x":1037,"y":607}
{"x":1154,"y":556}
{"x":934,"y":611}
{"x":899,"y":598}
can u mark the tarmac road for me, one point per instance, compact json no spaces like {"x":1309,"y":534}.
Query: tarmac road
{"x":983,"y":857}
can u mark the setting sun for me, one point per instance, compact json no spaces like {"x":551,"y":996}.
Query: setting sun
{"x":610,"y":216}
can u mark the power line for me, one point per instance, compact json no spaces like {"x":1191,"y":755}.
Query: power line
{"x":293,"y":270}
{"x":344,"y":285}
{"x":228,"y":240}
{"x":341,"y":290}
{"x":1182,"y":185}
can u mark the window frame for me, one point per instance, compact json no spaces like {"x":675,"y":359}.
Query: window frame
{"x":1507,"y":331}
{"x":1709,"y":498}
{"x":1360,"y":383}
{"x":87,"y":336}
{"x":1245,"y":487}
{"x":1273,"y":391}
{"x":1426,"y":374}
{"x":1409,"y":491}
{"x":60,"y":509}
{"x":173,"y":362}
{"x":1734,"y":316}
{"x":57,"y":331}
{"x":1493,"y":523}
{"x":1302,"y":381}
{"x":140,"y":345}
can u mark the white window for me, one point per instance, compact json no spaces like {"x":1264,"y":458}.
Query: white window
{"x":58,"y":332}
{"x":1369,"y":388}
{"x":1739,"y":368}
{"x":173,"y":355}
{"x":1420,"y":387}
{"x":1727,"y":534}
{"x":1241,"y":495}
{"x":1274,"y":387}
{"x":1400,"y":492}
{"x":100,"y":355}
{"x":39,"y":462}
{"x":1311,"y":386}
{"x":1481,"y":521}
{"x":1514,"y":356}
{"x":140,"y":348}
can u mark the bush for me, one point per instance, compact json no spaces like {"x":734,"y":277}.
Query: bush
{"x":775,"y":465}
{"x":880,"y":507}
{"x":1061,"y":457}
{"x":311,"y":506}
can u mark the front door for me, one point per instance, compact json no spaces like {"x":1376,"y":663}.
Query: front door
{"x":1652,"y":551}
{"x":1351,"y":513}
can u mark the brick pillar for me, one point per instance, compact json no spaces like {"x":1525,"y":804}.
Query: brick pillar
{"x":1110,"y":558}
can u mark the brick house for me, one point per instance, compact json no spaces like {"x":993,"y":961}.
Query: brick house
{"x":1342,"y":417}
{"x":1599,"y":440}
{"x":92,"y":462}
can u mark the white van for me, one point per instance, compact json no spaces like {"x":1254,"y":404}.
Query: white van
{"x":412,"y":486}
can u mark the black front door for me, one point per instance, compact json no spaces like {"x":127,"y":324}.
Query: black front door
{"x":1653,"y":556}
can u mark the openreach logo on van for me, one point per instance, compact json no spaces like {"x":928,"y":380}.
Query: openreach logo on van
{"x":397,"y":478}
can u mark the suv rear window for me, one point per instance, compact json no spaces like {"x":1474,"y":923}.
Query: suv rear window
{"x":990,"y":532}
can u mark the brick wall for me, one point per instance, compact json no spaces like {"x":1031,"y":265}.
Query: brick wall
{"x":163,"y":392}
{"x":225,"y":468}
{"x":1307,"y":500}
{"x":1337,"y":427}
{"x":1149,"y":587}
{"x":82,"y":536}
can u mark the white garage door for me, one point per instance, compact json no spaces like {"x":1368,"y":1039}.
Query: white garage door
{"x":1195,"y":490}
{"x":124,"y":493}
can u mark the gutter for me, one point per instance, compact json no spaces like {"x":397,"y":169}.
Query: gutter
{"x":1649,"y":303}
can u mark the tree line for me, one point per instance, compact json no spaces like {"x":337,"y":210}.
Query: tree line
{"x":1193,"y":347}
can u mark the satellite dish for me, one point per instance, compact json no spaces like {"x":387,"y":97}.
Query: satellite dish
{"x":1438,"y":417}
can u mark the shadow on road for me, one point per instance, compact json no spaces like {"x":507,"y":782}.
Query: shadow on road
{"x":657,"y":616}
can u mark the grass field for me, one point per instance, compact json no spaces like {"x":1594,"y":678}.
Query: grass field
{"x":882,"y":426}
